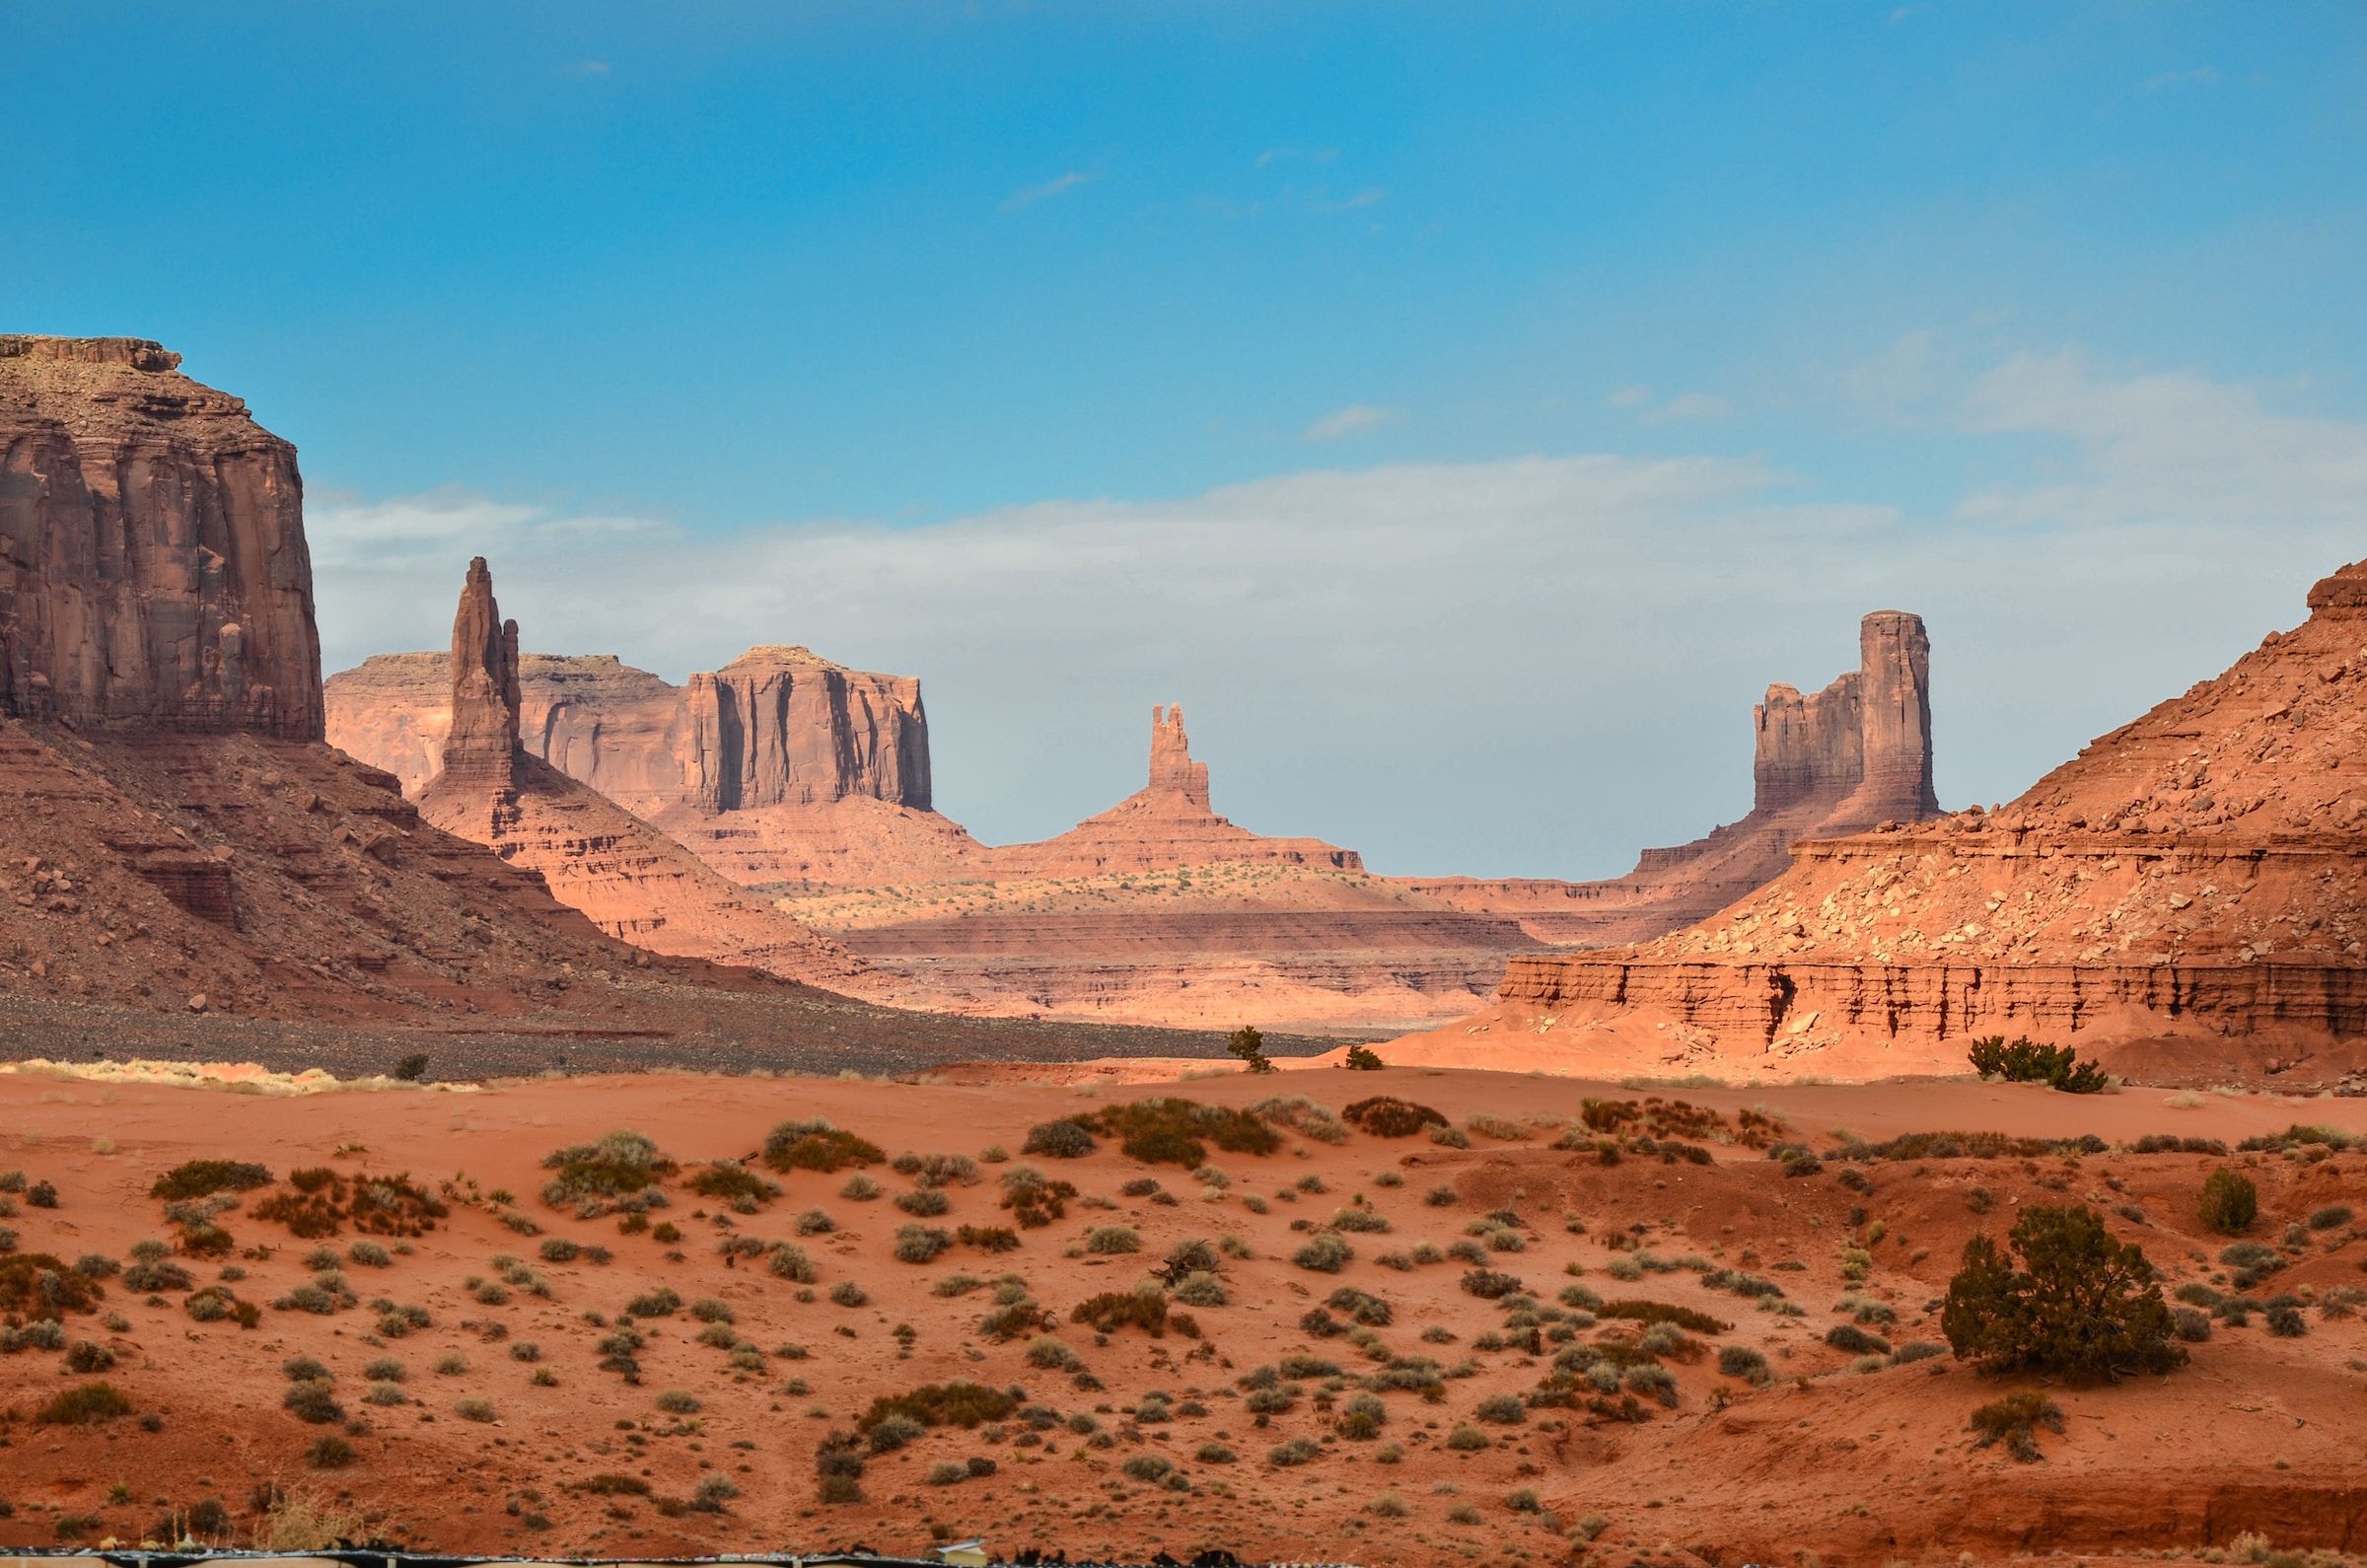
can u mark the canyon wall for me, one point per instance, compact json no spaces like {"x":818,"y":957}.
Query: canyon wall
{"x":153,"y":568}
{"x":2198,"y":874}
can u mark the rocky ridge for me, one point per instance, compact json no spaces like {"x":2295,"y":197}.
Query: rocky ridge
{"x":2198,"y":874}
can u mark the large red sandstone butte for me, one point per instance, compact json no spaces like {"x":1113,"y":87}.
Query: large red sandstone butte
{"x":152,"y":559}
{"x":628,"y":879}
{"x":2190,"y":887}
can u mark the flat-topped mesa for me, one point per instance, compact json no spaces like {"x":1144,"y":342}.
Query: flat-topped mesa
{"x":778,"y":726}
{"x":481,"y":747}
{"x":155,"y":574}
{"x":1171,"y":766}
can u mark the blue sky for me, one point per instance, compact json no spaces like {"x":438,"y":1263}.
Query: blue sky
{"x":1200,"y":341}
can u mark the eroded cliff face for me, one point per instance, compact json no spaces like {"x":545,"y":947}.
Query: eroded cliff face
{"x":153,"y":568}
{"x":776,"y":726}
{"x":2200,"y":872}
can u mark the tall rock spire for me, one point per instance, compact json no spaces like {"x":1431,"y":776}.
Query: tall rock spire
{"x":1171,"y":766}
{"x":482,"y":748}
{"x":1894,"y":726}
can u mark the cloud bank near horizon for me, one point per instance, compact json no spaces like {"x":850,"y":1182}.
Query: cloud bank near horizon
{"x":1534,"y":666}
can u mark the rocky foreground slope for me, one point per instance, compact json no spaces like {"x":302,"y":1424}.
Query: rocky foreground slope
{"x":2194,"y":880}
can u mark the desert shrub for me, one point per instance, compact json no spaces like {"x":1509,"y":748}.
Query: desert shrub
{"x":1033,"y":1201}
{"x":989,"y":1238}
{"x":1741,"y":1361}
{"x":846,"y":1293}
{"x":1360,"y":1306}
{"x":1387,"y":1117}
{"x":1856,"y":1341}
{"x":199,"y":1179}
{"x":2331,"y":1218}
{"x":1065,"y":1139}
{"x":1325,"y":1253}
{"x":659,"y":1302}
{"x":1166,"y":1131}
{"x":2229,"y":1203}
{"x":860,"y":1189}
{"x":2190,"y":1324}
{"x":789,"y":1262}
{"x":919,"y":1244}
{"x":816,"y":1145}
{"x":559,"y":1250}
{"x":1200,"y":1288}
{"x":1052,"y":1354}
{"x":963,"y":1405}
{"x":839,"y":1469}
{"x":313,"y":1399}
{"x":598,"y":1177}
{"x":36,"y":1285}
{"x":677,"y":1402}
{"x":1362,"y":1221}
{"x":2285,"y":1321}
{"x":2015,"y":1422}
{"x":473,"y":1409}
{"x":729,"y":1182}
{"x":330,"y":1454}
{"x":1501,"y":1129}
{"x":1307,"y":1117}
{"x":923,"y":1202}
{"x":937,"y":1170}
{"x":2081,"y":1305}
{"x":1362,"y":1418}
{"x":1107,"y":1241}
{"x":1660,"y":1312}
{"x":1489,"y":1285}
{"x":1298,"y":1450}
{"x":87,"y":1405}
{"x":2023,"y":1061}
{"x":1111,"y":1311}
{"x":1502,"y":1409}
{"x":1362,"y":1059}
{"x":84,"y":1357}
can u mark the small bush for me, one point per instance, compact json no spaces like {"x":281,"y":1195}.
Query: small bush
{"x":1362,"y":1059}
{"x":1326,"y":1254}
{"x":2230,"y":1202}
{"x":1113,"y":1311}
{"x":919,"y":1244}
{"x":816,"y":1145}
{"x":199,"y":1179}
{"x":1064,"y":1139}
{"x":314,"y":1400}
{"x":2024,"y":1061}
{"x":1107,"y":1241}
{"x":1387,"y":1117}
{"x":2015,"y":1422}
{"x":728,"y":1183}
{"x":923,"y":1202}
{"x":87,"y":1405}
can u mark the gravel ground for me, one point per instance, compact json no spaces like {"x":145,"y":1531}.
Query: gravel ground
{"x":804,"y":1032}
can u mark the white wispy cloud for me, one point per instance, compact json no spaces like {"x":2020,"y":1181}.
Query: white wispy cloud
{"x":1283,"y":154}
{"x":1629,"y":398}
{"x":1535,"y":664}
{"x":1057,"y":185}
{"x":2173,"y":81}
{"x":1354,"y":419}
{"x":585,"y":68}
{"x":1688,"y":406}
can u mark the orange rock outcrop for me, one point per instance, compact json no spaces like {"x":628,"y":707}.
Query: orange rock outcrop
{"x":153,"y":570}
{"x":2200,"y":873}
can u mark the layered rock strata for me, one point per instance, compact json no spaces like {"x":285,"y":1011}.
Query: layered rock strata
{"x":2198,"y":873}
{"x":627,"y":878}
{"x":153,"y":569}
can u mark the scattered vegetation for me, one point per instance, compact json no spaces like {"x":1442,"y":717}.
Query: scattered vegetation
{"x":2024,"y":1061}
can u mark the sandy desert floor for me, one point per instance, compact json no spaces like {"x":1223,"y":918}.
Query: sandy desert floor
{"x":520,"y":1378}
